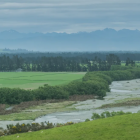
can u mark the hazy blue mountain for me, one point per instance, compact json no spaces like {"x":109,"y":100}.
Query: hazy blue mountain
{"x":100,"y":40}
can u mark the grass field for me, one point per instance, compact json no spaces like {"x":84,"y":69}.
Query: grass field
{"x":32,"y":80}
{"x":124,"y":127}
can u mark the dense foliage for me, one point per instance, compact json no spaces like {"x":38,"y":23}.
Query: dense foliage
{"x":93,"y":83}
{"x":16,"y":95}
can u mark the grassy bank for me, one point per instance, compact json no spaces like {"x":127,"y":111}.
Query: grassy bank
{"x":124,"y":127}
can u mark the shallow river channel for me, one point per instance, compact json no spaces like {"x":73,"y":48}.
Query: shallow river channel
{"x":119,"y":90}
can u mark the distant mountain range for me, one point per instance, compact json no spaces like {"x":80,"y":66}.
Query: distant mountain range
{"x":100,"y":40}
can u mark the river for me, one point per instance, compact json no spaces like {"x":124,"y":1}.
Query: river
{"x":119,"y":90}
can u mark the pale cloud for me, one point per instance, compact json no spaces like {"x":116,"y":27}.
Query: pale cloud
{"x":68,"y":16}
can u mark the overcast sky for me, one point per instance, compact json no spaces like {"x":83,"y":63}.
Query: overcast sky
{"x":68,"y":16}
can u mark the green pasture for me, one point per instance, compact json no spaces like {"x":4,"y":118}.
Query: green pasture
{"x":125,"y":127}
{"x":32,"y":80}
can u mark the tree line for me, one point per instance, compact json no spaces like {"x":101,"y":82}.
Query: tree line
{"x":123,"y":55}
{"x":57,"y":64}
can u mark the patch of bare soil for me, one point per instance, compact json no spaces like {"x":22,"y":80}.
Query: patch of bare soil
{"x":127,"y":103}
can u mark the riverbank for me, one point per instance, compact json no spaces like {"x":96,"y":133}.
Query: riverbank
{"x":81,"y":110}
{"x":119,"y":92}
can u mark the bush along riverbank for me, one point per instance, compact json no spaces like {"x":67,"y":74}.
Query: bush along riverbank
{"x":93,"y":83}
{"x":23,"y":128}
{"x":107,"y":114}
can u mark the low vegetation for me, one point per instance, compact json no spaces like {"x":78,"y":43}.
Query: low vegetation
{"x":107,"y":114}
{"x":33,"y":110}
{"x":126,"y":102}
{"x":22,"y":128}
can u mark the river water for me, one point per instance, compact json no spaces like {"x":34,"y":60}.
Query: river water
{"x":119,"y":91}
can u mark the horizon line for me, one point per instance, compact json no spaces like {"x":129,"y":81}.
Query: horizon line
{"x":12,"y":30}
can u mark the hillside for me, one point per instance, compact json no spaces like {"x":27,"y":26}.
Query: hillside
{"x":124,"y":127}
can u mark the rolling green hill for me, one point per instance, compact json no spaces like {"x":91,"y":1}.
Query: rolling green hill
{"x":126,"y":127}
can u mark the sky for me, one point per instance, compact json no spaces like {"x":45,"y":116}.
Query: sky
{"x":70,"y":16}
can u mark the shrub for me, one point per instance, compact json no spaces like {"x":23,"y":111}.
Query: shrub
{"x":13,"y":129}
{"x":107,"y":114}
{"x":87,"y":120}
{"x":95,"y":116}
{"x":21,"y":128}
{"x":103,"y":115}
